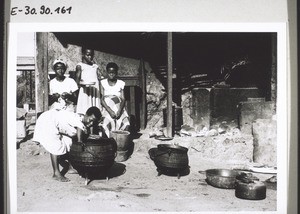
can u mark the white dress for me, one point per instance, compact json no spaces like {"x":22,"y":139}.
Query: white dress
{"x":89,"y":95}
{"x":67,"y":85}
{"x":55,"y":128}
{"x":114,"y":90}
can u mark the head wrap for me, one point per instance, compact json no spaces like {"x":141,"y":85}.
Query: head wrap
{"x":59,"y":61}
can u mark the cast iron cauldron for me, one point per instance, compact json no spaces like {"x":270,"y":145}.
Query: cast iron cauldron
{"x":94,"y":156}
{"x":170,"y":159}
{"x":222,"y":178}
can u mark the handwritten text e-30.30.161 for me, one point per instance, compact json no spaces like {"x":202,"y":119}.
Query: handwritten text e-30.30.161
{"x":43,"y":10}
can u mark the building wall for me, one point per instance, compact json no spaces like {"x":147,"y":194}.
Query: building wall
{"x":72,"y":55}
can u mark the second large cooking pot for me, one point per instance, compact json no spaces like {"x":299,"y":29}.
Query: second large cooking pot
{"x":170,"y":158}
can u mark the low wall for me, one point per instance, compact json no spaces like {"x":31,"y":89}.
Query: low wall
{"x":226,"y":148}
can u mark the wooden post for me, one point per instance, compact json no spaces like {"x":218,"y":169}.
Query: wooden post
{"x":132,"y":100}
{"x":30,"y":85}
{"x":169,"y":85}
{"x":143,"y":103}
{"x":41,"y":73}
{"x":274,"y":70}
{"x":24,"y":74}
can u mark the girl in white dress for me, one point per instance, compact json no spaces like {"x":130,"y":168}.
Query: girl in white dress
{"x":63,"y":90}
{"x":113,"y":102}
{"x":87,"y":77}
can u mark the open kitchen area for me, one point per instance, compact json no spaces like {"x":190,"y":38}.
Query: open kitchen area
{"x":196,"y":101}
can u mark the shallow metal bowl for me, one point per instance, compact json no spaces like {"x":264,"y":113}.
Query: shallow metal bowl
{"x":221,"y":178}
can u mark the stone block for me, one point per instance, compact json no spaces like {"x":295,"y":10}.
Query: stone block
{"x":249,"y":111}
{"x":221,"y":102}
{"x":265,"y":142}
{"x":225,"y":100}
{"x":200,"y":108}
{"x":186,"y":108}
{"x":268,"y":110}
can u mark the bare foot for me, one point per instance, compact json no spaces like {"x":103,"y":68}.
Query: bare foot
{"x":60,"y":178}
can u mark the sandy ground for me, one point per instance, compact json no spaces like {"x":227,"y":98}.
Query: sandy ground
{"x":133,"y":185}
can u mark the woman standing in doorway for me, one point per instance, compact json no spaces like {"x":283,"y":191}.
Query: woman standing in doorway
{"x":113,"y":102}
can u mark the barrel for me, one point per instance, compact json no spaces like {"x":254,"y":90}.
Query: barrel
{"x":177,"y":118}
{"x":94,"y":155}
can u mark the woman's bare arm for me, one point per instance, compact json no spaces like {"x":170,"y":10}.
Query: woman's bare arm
{"x":122,"y":105}
{"x":79,"y":135}
{"x":78,"y":74}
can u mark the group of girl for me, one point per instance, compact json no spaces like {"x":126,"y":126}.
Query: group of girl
{"x":91,"y":87}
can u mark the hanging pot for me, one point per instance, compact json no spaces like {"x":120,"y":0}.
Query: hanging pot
{"x":221,"y":178}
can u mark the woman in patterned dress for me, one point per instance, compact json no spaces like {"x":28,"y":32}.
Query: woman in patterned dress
{"x":113,"y":102}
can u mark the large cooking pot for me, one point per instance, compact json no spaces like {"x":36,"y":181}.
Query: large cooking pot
{"x":170,"y":158}
{"x":94,"y":156}
{"x":221,"y":178}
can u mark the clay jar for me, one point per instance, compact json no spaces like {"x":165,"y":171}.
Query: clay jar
{"x":122,"y":138}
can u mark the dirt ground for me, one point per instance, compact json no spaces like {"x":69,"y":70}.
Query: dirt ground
{"x":133,"y":185}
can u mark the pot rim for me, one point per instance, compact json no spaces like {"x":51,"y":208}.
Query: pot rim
{"x":171,"y":146}
{"x":217,"y":172}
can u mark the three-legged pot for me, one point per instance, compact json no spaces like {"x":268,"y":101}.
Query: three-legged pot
{"x":94,"y":157}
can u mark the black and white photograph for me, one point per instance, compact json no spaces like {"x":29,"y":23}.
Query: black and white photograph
{"x":149,"y":119}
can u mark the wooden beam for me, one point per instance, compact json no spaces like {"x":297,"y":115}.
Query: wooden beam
{"x":170,"y":86}
{"x":143,"y":103}
{"x":41,"y":74}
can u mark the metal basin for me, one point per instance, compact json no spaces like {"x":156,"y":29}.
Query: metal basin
{"x":221,"y":178}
